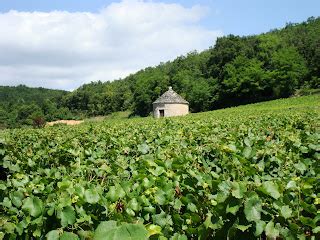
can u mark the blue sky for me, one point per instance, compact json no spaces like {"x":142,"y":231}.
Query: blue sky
{"x":63,"y":44}
{"x":240,"y":17}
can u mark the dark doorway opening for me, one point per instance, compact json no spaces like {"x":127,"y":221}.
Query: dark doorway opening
{"x":161,"y":113}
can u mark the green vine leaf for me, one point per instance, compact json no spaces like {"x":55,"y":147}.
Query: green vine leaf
{"x":33,"y":205}
{"x":286,"y":211}
{"x":67,"y":216}
{"x":110,"y":231}
{"x":271,"y":231}
{"x":253,"y":208}
{"x":91,"y":196}
{"x":271,"y":189}
{"x":53,"y":235}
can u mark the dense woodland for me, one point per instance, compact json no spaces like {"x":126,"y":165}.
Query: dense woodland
{"x":24,"y":106}
{"x":236,"y":70}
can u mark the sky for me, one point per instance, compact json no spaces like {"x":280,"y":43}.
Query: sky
{"x":62,"y":44}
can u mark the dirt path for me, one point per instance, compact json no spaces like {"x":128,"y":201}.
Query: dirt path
{"x":68,"y":122}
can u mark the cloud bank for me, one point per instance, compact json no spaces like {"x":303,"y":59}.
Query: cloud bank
{"x":63,"y":50}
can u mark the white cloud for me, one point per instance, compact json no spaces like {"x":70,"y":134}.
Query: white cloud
{"x":63,"y":50}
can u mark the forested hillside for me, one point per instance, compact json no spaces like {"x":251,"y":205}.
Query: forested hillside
{"x":22,"y":105}
{"x":235,"y":71}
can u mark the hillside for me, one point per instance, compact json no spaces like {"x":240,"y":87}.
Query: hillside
{"x":20,"y":105}
{"x":21,"y":93}
{"x":236,"y":70}
{"x":244,"y":172}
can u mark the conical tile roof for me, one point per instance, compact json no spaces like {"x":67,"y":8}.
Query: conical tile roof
{"x":170,"y":96}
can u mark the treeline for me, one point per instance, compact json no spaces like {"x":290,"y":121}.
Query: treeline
{"x":24,"y":106}
{"x":235,"y":71}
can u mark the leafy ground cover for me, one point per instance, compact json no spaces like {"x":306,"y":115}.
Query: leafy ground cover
{"x":247,"y":172}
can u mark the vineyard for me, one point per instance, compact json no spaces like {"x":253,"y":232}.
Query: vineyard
{"x":250,"y":172}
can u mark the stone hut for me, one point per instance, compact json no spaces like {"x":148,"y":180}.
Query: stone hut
{"x":170,"y":104}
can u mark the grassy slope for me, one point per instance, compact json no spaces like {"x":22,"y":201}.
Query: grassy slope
{"x":288,"y":104}
{"x":311,"y":102}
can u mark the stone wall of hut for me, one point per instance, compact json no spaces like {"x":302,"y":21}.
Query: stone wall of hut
{"x":170,"y":109}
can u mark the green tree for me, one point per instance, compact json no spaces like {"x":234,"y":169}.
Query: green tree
{"x":26,"y":114}
{"x":288,"y":71}
{"x":244,"y":78}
